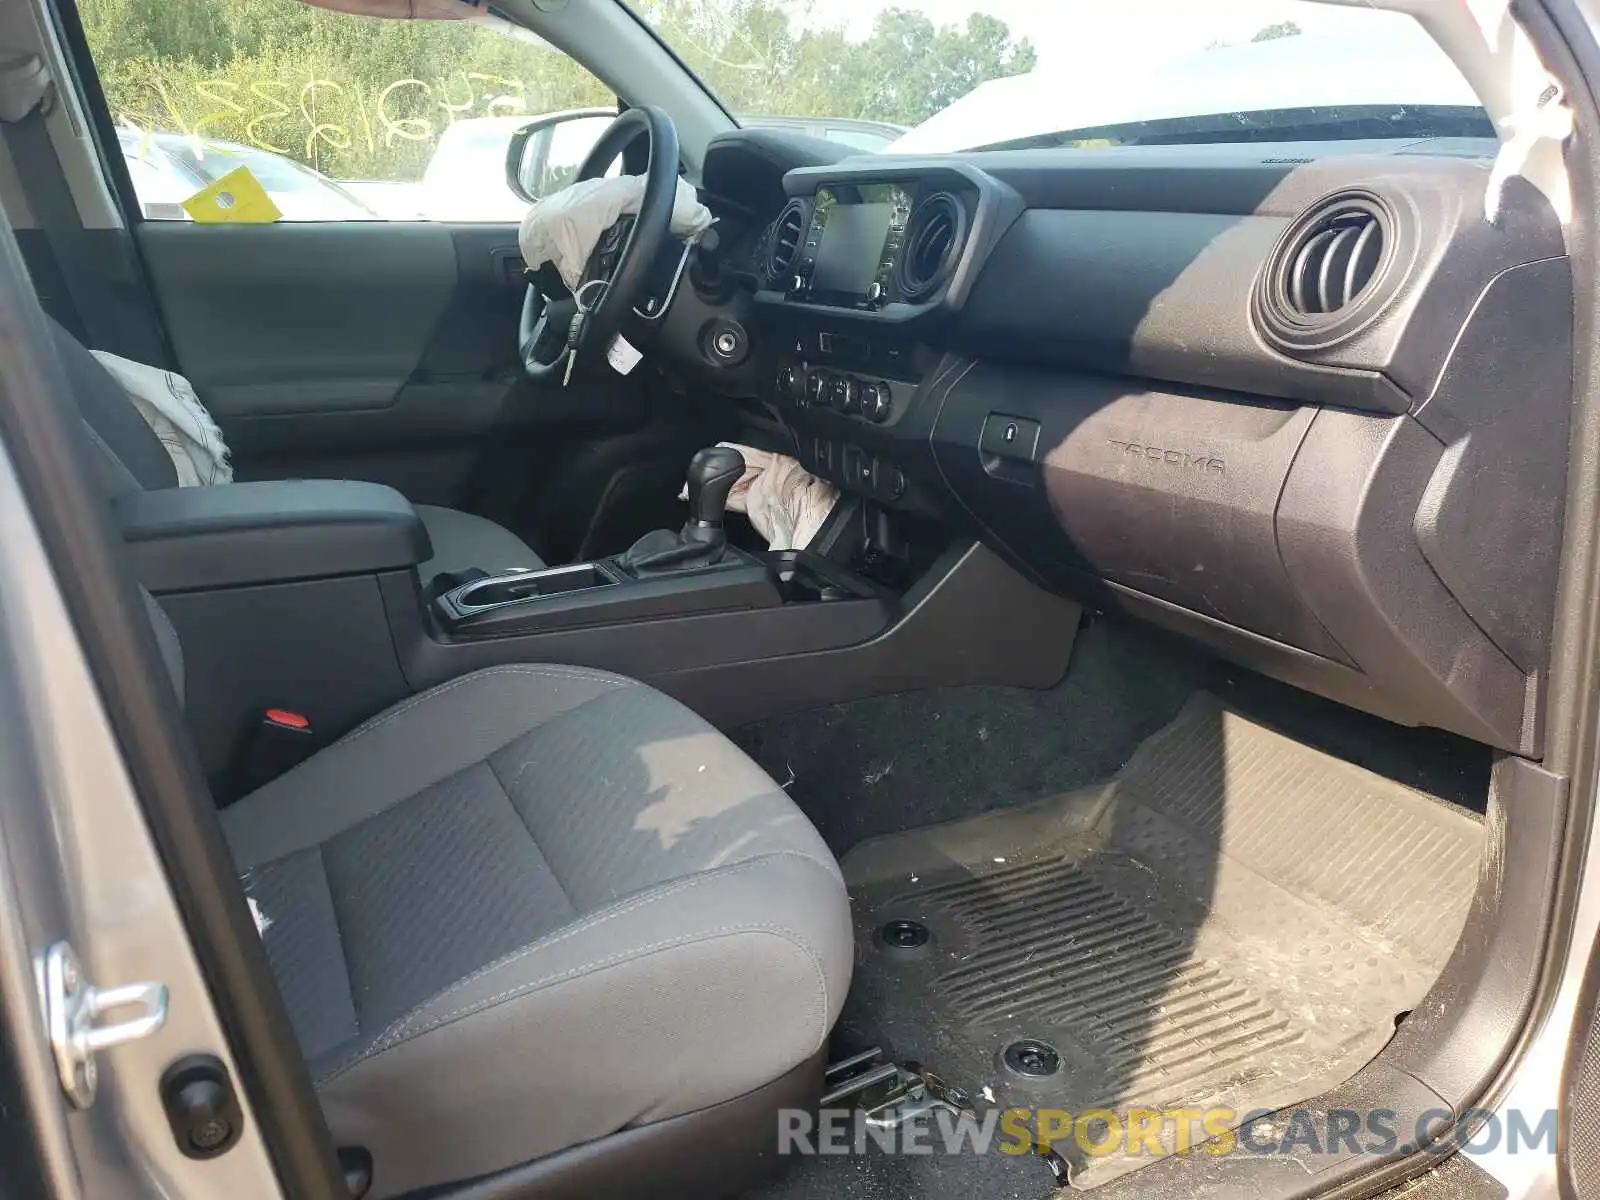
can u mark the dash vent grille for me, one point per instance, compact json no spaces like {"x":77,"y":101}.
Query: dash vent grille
{"x":1336,"y":262}
{"x":1332,"y":273}
{"x":935,"y":236}
{"x":787,"y":234}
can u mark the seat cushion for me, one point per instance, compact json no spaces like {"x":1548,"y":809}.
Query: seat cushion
{"x":462,"y":541}
{"x":532,"y":907}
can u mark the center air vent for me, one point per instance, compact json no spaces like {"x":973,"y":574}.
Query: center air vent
{"x":784,"y":249}
{"x":1331,"y":273}
{"x":933,"y":242}
{"x":1336,"y":263}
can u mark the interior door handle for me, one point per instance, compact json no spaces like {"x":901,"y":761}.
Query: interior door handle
{"x":507,"y":266}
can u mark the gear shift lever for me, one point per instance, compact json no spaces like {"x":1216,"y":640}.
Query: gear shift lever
{"x":712,"y":474}
{"x":703,"y":543}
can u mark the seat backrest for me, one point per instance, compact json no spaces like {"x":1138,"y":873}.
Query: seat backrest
{"x":131,"y":455}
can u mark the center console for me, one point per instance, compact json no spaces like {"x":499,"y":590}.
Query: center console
{"x":601,"y":593}
{"x":306,"y":598}
{"x":667,"y":573}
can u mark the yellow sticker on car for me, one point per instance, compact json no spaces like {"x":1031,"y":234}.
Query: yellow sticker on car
{"x":237,"y":197}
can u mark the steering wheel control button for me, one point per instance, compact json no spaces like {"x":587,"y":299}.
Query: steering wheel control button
{"x":1031,"y":1059}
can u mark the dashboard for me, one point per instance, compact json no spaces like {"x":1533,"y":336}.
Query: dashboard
{"x":1303,"y":403}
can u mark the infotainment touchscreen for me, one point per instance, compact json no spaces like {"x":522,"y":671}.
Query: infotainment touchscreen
{"x":858,"y":231}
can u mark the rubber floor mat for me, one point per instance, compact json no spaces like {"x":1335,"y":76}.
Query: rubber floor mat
{"x":1235,"y":921}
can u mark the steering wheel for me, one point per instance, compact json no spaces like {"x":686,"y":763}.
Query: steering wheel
{"x":625,"y":271}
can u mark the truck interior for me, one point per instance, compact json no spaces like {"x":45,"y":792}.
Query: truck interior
{"x":1177,"y":710}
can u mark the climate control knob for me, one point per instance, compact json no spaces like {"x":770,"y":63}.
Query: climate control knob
{"x":877,"y":402}
{"x":847,"y":395}
{"x":819,"y":389}
{"x":792,"y":384}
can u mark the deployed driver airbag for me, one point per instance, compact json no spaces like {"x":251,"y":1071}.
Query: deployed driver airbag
{"x":564,"y":228}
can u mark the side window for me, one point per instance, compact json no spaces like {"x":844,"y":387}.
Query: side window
{"x":335,"y":117}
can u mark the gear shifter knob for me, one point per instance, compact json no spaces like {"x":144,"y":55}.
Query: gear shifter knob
{"x":712,"y":474}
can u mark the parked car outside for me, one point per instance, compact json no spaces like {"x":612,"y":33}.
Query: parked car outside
{"x":168,"y":168}
{"x":465,"y":180}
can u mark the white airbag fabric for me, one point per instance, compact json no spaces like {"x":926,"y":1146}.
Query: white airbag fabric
{"x":565,"y":228}
{"x":169,"y":405}
{"x":786,"y":503}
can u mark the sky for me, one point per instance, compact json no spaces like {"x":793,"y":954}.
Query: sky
{"x":1087,"y":34}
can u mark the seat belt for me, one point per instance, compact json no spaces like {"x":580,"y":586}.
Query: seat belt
{"x":28,"y":96}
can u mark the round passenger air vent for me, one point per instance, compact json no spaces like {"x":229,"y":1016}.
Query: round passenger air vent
{"x":1331,"y":272}
{"x":783,"y":250}
{"x":934,"y":239}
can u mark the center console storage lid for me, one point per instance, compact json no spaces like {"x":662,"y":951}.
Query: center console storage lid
{"x":188,"y":539}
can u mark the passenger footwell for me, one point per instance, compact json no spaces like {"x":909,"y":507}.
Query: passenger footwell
{"x":1235,"y":921}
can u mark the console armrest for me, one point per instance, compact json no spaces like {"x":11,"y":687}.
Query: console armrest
{"x":186,"y":539}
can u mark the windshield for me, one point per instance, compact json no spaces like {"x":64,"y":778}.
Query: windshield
{"x":977,"y":74}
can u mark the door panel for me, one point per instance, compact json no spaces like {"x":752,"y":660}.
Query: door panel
{"x":286,"y":319}
{"x":336,"y":342}
{"x":379,"y":351}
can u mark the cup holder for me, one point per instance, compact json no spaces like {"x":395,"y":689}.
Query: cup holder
{"x":521,"y":589}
